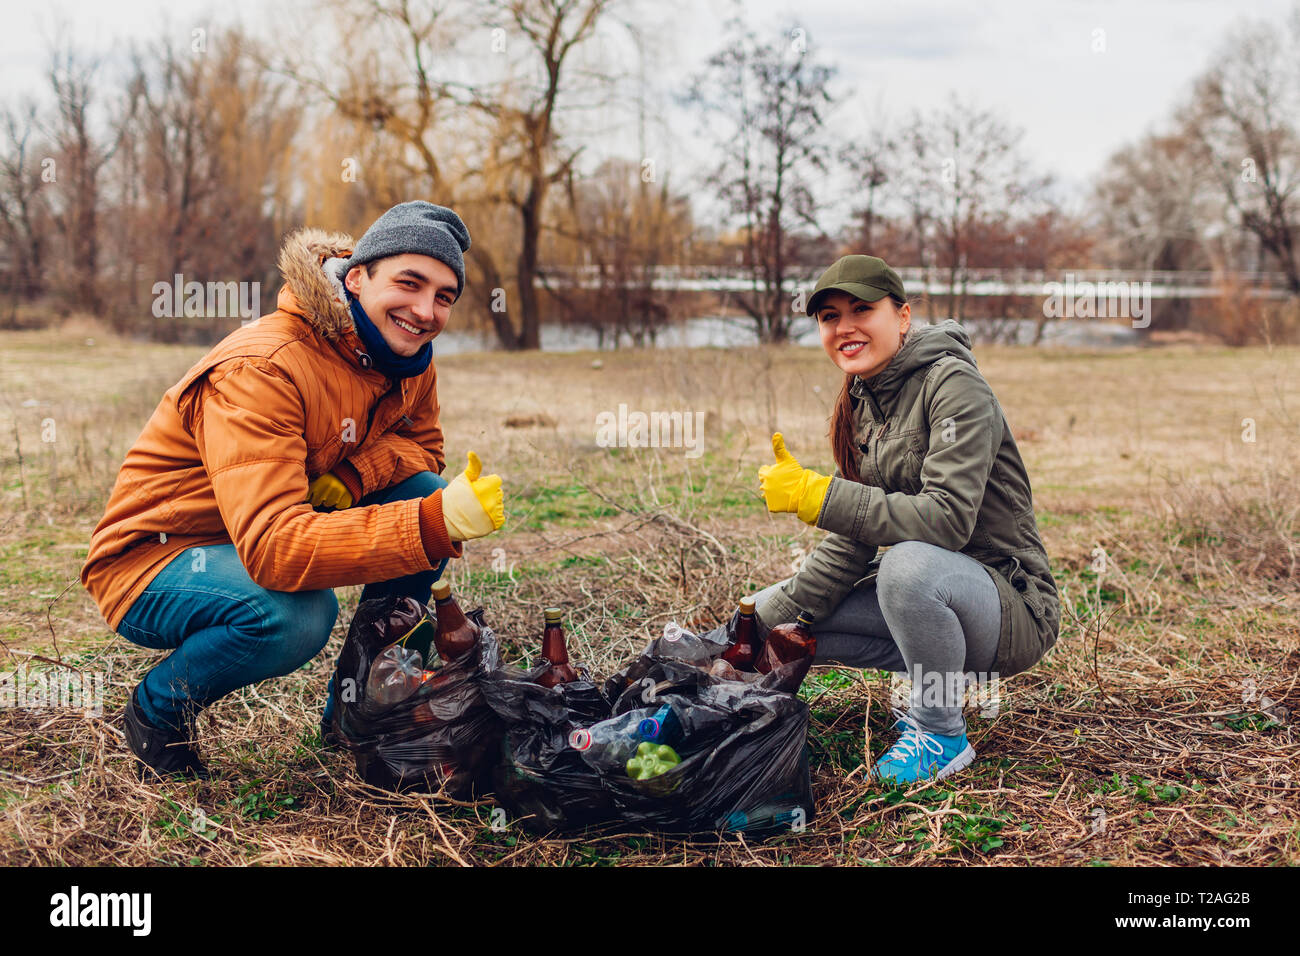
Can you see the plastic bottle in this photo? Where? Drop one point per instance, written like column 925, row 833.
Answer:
column 786, row 643
column 769, row 816
column 395, row 675
column 662, row 727
column 743, row 651
column 556, row 652
column 683, row 645
column 607, row 746
column 457, row 635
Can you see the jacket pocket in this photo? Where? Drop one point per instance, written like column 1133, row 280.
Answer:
column 1024, row 584
column 915, row 456
column 908, row 457
column 1019, row 644
column 322, row 459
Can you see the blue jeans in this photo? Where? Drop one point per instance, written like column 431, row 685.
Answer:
column 226, row 632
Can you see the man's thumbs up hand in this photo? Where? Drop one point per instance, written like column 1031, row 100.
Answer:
column 473, row 504
column 789, row 487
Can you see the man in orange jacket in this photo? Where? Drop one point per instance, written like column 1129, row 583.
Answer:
column 302, row 453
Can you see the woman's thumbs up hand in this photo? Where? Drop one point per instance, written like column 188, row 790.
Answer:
column 787, row 486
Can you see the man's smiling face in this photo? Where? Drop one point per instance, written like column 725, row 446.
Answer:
column 408, row 298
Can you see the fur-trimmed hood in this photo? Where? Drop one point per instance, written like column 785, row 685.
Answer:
column 309, row 262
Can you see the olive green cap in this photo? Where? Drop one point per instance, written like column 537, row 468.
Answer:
column 867, row 277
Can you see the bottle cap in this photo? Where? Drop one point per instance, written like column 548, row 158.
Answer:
column 580, row 739
column 441, row 590
column 553, row 615
column 805, row 619
column 747, row 605
column 648, row 728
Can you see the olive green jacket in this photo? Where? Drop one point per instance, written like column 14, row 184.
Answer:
column 939, row 465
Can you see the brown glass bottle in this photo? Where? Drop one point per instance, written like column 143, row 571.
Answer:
column 786, row 643
column 744, row 649
column 456, row 635
column 559, row 671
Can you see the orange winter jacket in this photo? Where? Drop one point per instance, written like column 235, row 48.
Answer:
column 230, row 450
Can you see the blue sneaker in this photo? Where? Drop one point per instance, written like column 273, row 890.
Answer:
column 918, row 755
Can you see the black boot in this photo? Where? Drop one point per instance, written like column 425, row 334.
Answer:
column 160, row 751
column 329, row 740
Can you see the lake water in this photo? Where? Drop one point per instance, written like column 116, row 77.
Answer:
column 715, row 332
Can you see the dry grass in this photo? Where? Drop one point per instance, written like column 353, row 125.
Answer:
column 1158, row 732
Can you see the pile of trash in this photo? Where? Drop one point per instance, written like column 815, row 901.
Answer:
column 696, row 733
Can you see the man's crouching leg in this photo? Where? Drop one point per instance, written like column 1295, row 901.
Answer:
column 225, row 632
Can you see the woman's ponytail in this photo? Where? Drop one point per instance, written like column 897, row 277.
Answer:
column 842, row 444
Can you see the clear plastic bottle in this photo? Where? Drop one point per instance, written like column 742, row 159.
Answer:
column 683, row 645
column 395, row 675
column 606, row 746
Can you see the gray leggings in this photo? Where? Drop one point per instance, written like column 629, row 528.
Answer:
column 930, row 612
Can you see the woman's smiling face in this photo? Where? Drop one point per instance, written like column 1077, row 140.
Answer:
column 861, row 337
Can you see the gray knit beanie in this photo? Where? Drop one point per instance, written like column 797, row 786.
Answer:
column 419, row 227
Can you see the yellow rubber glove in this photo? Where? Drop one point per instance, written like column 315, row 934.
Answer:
column 473, row 506
column 788, row 486
column 328, row 491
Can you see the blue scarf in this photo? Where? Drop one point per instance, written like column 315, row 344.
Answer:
column 381, row 356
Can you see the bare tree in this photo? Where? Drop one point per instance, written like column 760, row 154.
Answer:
column 525, row 117
column 24, row 210
column 80, row 158
column 765, row 102
column 198, row 185
column 622, row 230
column 962, row 173
column 510, row 148
column 1242, row 122
column 869, row 161
column 1153, row 206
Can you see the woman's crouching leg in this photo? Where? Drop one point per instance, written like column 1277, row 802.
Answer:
column 943, row 611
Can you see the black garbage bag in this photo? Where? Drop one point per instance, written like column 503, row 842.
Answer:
column 744, row 763
column 539, row 778
column 744, row 760
column 443, row 733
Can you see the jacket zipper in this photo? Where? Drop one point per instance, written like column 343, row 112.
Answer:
column 875, row 455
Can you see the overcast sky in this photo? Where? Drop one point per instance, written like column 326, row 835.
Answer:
column 1031, row 61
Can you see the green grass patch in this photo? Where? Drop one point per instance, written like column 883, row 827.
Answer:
column 182, row 823
column 254, row 803
column 1244, row 722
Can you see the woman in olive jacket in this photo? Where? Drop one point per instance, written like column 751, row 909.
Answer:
column 925, row 464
